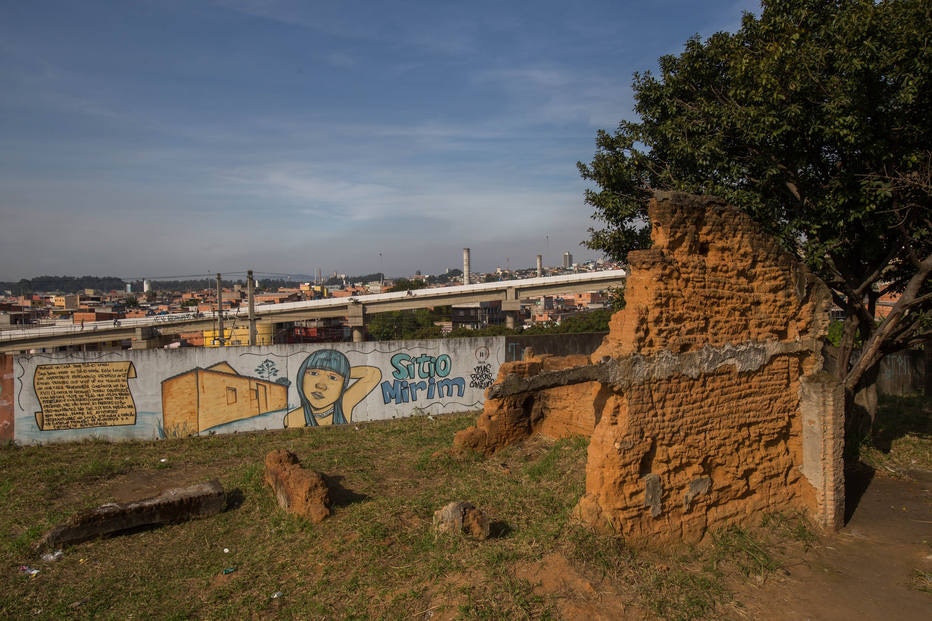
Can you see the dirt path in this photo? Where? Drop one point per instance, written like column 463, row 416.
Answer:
column 876, row 567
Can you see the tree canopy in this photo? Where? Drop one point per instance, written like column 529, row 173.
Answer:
column 405, row 284
column 64, row 284
column 814, row 119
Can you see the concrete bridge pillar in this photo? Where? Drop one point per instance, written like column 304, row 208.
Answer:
column 146, row 338
column 356, row 320
column 511, row 306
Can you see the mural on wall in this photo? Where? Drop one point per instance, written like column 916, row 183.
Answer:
column 84, row 394
column 199, row 399
column 6, row 398
column 70, row 396
column 329, row 389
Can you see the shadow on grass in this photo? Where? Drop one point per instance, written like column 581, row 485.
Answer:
column 235, row 499
column 339, row 495
column 499, row 530
column 899, row 416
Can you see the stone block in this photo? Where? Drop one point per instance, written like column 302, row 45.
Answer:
column 171, row 506
column 297, row 490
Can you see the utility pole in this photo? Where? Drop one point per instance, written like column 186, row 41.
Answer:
column 251, row 297
column 219, row 310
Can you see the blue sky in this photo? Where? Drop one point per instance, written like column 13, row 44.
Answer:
column 158, row 138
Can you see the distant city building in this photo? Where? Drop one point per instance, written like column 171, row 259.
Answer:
column 477, row 315
column 86, row 311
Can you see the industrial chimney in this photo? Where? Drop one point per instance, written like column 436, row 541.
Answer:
column 540, row 265
column 465, row 266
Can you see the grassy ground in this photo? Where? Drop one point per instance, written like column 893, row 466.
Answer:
column 376, row 557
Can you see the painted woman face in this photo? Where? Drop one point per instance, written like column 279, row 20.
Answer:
column 322, row 387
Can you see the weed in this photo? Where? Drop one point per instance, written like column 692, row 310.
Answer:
column 605, row 553
column 545, row 466
column 921, row 580
column 100, row 469
column 677, row 594
column 5, row 488
column 737, row 545
column 795, row 526
column 514, row 599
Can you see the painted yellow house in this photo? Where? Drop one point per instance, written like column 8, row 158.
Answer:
column 238, row 334
column 203, row 398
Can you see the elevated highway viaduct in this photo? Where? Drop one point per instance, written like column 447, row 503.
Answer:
column 145, row 330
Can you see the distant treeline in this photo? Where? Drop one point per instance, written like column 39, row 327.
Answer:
column 78, row 284
column 337, row 281
column 196, row 284
column 63, row 284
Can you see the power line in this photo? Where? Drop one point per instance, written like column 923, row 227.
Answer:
column 184, row 277
column 209, row 276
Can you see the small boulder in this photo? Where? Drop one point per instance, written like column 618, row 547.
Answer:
column 297, row 490
column 462, row 517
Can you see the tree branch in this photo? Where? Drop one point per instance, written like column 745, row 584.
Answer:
column 872, row 348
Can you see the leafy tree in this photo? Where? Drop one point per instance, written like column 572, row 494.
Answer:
column 450, row 276
column 64, row 284
column 337, row 281
column 588, row 321
column 835, row 331
column 814, row 119
column 405, row 324
column 615, row 296
column 493, row 330
column 404, row 284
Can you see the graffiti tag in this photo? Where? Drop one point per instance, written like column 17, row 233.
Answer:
column 481, row 376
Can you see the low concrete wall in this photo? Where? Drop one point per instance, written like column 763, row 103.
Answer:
column 553, row 344
column 148, row 394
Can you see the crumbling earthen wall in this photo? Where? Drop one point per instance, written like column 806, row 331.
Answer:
column 706, row 404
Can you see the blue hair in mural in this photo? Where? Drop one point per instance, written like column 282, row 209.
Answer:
column 324, row 360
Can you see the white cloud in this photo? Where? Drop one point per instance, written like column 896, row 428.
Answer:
column 554, row 95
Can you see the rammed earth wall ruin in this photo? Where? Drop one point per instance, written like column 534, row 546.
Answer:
column 707, row 403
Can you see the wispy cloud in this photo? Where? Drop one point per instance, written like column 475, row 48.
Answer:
column 283, row 136
column 562, row 95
